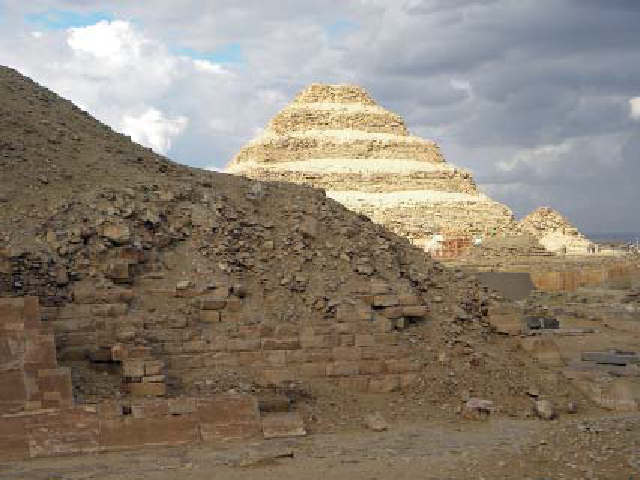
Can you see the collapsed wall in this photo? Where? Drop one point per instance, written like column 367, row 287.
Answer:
column 337, row 138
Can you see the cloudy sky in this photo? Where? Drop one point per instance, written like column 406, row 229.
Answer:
column 539, row 98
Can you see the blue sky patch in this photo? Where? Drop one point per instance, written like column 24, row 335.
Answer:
column 63, row 19
column 231, row 53
column 341, row 27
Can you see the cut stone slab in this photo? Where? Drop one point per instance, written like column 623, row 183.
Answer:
column 283, row 425
column 611, row 358
column 541, row 323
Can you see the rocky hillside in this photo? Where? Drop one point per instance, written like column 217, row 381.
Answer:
column 217, row 278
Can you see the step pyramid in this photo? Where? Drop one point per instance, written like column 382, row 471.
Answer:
column 337, row 138
column 555, row 232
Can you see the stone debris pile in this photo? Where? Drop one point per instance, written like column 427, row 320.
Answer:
column 176, row 298
column 337, row 138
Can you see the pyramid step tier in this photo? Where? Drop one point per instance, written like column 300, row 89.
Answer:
column 320, row 93
column 372, row 181
column 420, row 215
column 311, row 119
column 271, row 149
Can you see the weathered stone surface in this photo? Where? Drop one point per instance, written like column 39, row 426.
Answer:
column 282, row 425
column 477, row 409
column 376, row 422
column 544, row 409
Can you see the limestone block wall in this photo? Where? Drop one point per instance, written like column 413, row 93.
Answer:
column 38, row 417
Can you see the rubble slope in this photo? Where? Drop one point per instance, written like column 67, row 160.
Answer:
column 129, row 251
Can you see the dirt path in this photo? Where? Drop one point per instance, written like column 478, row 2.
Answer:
column 601, row 448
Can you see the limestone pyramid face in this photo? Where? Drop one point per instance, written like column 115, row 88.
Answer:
column 337, row 138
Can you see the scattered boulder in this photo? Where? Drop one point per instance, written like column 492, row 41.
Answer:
column 544, row 409
column 477, row 409
column 376, row 422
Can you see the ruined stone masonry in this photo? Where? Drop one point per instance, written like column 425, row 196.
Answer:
column 555, row 232
column 337, row 138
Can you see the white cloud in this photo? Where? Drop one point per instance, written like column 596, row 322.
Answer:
column 210, row 67
column 116, row 43
column 634, row 105
column 36, row 34
column 153, row 129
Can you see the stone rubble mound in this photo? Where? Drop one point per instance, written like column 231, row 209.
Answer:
column 163, row 282
column 337, row 138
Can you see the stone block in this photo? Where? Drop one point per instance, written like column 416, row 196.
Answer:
column 319, row 355
column 371, row 367
column 182, row 405
column 393, row 312
column 283, row 425
column 385, row 301
column 311, row 370
column 291, row 343
column 384, row 384
column 14, row 443
column 408, row 379
column 610, row 358
column 243, row 345
column 186, row 362
column 56, row 380
column 343, row 368
column 364, row 340
column 409, row 300
column 211, row 302
column 385, row 339
column 379, row 288
column 346, row 340
column 542, row 323
column 546, row 351
column 276, row 358
column 401, row 366
column 228, row 417
column 267, row 377
column 274, row 403
column 355, row 383
column 507, row 324
column 293, row 356
column 347, row 353
column 127, row 432
column 12, row 350
column 318, row 341
column 234, row 305
column 147, row 389
column 151, row 408
column 153, row 367
column 210, row 316
column 249, row 359
column 418, row 311
column 133, row 368
column 232, row 317
column 53, row 433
